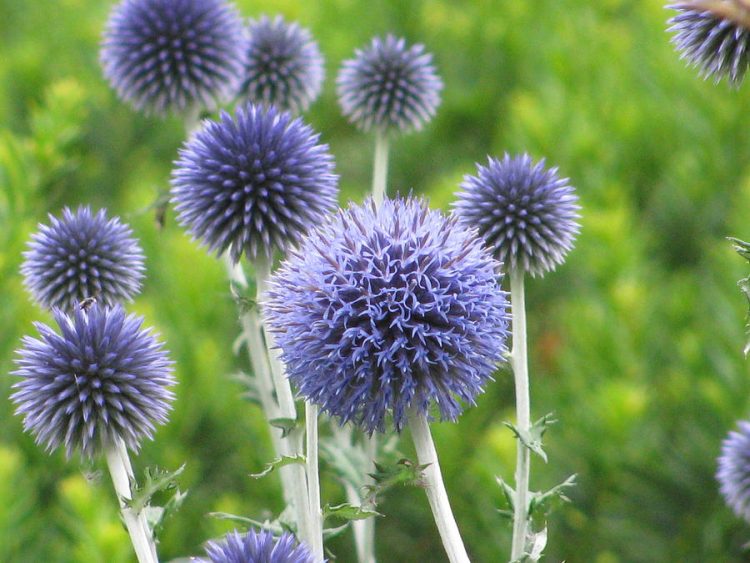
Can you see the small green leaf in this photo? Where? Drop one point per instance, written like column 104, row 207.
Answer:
column 532, row 439
column 542, row 503
column 741, row 247
column 287, row 425
column 348, row 511
column 403, row 472
column 278, row 463
column 509, row 493
column 155, row 481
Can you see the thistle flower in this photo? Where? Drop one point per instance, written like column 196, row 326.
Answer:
column 714, row 36
column 258, row 547
column 253, row 183
column 101, row 378
column 82, row 255
column 284, row 66
column 174, row 56
column 524, row 210
column 389, row 86
column 734, row 470
column 385, row 308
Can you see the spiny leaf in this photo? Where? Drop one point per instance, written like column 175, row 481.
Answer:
column 348, row 511
column 532, row 439
column 510, row 496
column 542, row 503
column 287, row 425
column 278, row 463
column 155, row 480
column 403, row 472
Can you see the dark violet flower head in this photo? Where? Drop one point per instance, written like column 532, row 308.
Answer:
column 253, row 183
column 734, row 470
column 82, row 255
column 389, row 86
column 527, row 212
column 101, row 378
column 174, row 56
column 258, row 547
column 386, row 308
column 283, row 67
column 713, row 36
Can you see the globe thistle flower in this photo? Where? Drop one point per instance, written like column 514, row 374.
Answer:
column 82, row 255
column 714, row 36
column 283, row 67
column 253, row 183
column 174, row 56
column 99, row 379
column 384, row 308
column 389, row 86
column 734, row 470
column 258, row 547
column 527, row 212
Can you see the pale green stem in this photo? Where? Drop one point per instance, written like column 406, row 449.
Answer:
column 121, row 472
column 364, row 530
column 313, row 480
column 523, row 415
column 380, row 168
column 435, row 489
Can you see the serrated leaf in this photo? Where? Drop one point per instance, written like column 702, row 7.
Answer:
column 348, row 511
column 155, row 480
column 741, row 247
column 278, row 463
column 541, row 504
column 287, row 425
column 532, row 439
column 509, row 493
column 403, row 472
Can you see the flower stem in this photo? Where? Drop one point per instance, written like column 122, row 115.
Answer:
column 380, row 168
column 523, row 415
column 436, row 494
column 121, row 472
column 313, row 480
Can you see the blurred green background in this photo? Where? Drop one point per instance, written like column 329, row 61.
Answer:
column 635, row 342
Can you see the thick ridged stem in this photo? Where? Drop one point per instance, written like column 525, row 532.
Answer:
column 380, row 168
column 121, row 472
column 523, row 413
column 436, row 494
column 313, row 480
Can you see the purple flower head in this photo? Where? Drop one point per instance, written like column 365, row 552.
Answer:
column 166, row 56
column 258, row 547
column 101, row 378
column 253, row 183
column 524, row 210
column 384, row 308
column 714, row 37
column 283, row 67
column 82, row 255
column 734, row 470
column 389, row 86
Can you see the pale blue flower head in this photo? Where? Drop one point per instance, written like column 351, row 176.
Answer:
column 258, row 547
column 734, row 470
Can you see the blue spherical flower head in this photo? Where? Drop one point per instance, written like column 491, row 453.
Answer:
column 527, row 212
column 258, row 547
column 389, row 86
column 386, row 308
column 174, row 56
column 734, row 470
column 284, row 66
column 253, row 183
column 99, row 379
column 714, row 37
column 81, row 255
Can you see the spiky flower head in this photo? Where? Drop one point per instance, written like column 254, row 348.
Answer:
column 100, row 378
column 253, row 183
column 389, row 86
column 386, row 308
column 713, row 36
column 527, row 212
column 283, row 67
column 258, row 547
column 173, row 56
column 734, row 470
column 81, row 255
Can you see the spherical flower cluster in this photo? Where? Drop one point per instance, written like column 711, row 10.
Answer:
column 284, row 66
column 82, row 255
column 524, row 210
column 734, row 470
column 388, row 308
column 714, row 37
column 100, row 379
column 173, row 55
column 258, row 547
column 389, row 86
column 253, row 183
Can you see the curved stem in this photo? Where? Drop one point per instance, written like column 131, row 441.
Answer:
column 436, row 494
column 380, row 168
column 523, row 415
column 121, row 472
